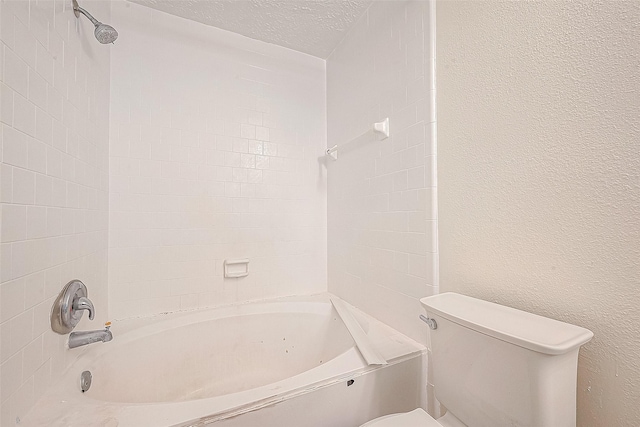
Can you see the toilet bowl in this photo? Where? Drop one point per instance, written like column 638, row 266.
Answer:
column 495, row 366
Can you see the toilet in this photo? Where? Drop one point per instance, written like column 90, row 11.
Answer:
column 495, row 366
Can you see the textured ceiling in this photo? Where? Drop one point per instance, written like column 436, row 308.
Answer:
column 310, row 26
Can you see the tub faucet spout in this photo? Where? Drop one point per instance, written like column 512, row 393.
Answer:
column 78, row 339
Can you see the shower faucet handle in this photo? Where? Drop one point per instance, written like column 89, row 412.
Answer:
column 68, row 307
column 84, row 303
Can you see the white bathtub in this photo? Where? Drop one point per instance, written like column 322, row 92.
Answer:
column 222, row 365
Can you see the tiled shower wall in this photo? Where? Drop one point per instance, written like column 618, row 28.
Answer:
column 53, row 186
column 214, row 149
column 382, row 214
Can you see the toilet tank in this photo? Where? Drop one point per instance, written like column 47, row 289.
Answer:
column 496, row 366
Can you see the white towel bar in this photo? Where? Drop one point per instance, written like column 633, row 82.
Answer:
column 381, row 128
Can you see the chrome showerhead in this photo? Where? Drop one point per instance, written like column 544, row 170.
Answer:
column 104, row 33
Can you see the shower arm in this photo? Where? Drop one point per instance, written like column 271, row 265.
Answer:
column 77, row 10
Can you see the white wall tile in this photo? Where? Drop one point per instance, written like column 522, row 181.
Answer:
column 37, row 156
column 44, row 126
column 14, row 223
column 381, row 207
column 15, row 147
column 34, row 289
column 36, row 222
column 6, row 104
column 35, row 174
column 187, row 169
column 6, row 272
column 24, row 43
column 24, row 115
column 6, row 28
column 37, row 89
column 10, row 376
column 23, row 186
column 44, row 63
column 16, row 72
column 5, row 341
column 6, row 183
column 21, row 331
column 32, row 357
column 12, row 302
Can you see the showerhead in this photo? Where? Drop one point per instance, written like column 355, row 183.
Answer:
column 104, row 33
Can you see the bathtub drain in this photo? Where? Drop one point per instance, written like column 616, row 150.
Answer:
column 85, row 381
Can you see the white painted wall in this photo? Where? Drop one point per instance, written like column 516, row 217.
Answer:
column 213, row 155
column 539, row 130
column 54, row 97
column 381, row 194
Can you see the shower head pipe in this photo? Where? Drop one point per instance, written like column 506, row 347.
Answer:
column 78, row 10
column 103, row 32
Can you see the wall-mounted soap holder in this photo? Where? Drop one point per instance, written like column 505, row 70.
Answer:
column 234, row 268
column 68, row 307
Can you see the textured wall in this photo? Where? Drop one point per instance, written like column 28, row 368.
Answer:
column 381, row 194
column 539, row 130
column 54, row 97
column 213, row 155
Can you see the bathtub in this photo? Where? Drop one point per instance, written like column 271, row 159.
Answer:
column 285, row 362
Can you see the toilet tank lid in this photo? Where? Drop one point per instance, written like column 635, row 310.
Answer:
column 517, row 327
